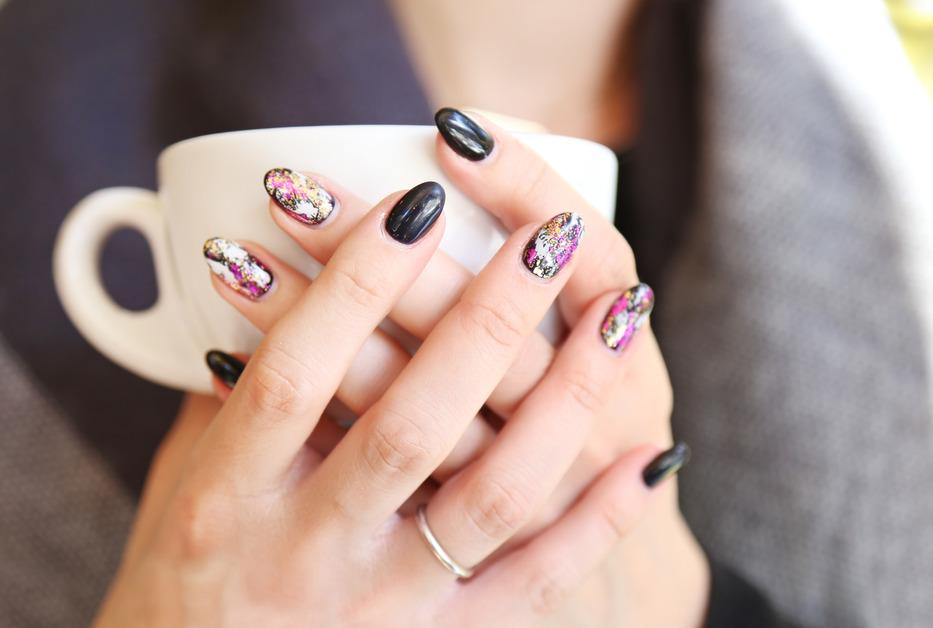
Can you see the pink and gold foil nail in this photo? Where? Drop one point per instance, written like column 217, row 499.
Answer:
column 301, row 197
column 237, row 268
column 626, row 315
column 552, row 247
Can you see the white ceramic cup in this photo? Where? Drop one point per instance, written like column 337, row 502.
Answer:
column 212, row 186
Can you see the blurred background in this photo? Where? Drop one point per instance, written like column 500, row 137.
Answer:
column 775, row 185
column 914, row 22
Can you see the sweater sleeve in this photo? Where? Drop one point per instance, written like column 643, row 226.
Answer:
column 736, row 603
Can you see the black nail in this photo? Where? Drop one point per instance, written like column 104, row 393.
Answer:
column 463, row 135
column 225, row 366
column 415, row 212
column 666, row 464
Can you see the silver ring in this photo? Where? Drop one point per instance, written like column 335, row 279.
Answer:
column 434, row 545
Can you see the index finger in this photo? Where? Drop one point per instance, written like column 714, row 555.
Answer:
column 301, row 361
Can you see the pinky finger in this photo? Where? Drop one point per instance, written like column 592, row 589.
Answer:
column 227, row 369
column 557, row 562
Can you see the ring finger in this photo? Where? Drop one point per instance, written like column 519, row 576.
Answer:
column 301, row 361
column 489, row 501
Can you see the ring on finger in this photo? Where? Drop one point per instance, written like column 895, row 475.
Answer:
column 421, row 518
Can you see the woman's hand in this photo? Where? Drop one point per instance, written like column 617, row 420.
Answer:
column 620, row 382
column 244, row 523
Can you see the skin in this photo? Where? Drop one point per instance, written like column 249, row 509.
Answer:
column 247, row 521
column 567, row 68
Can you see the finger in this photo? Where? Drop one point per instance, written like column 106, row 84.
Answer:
column 536, row 579
column 226, row 369
column 632, row 397
column 372, row 370
column 325, row 436
column 374, row 366
column 513, row 182
column 300, row 363
column 399, row 441
column 431, row 295
column 620, row 321
column 487, row 503
column 194, row 415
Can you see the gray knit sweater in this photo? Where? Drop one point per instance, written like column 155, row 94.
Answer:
column 796, row 315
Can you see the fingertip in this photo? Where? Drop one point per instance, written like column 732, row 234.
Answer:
column 300, row 195
column 414, row 216
column 226, row 369
column 464, row 135
column 666, row 464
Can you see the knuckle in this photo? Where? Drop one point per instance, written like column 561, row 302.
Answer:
column 201, row 524
column 360, row 286
column 278, row 383
column 584, row 390
column 546, row 591
column 496, row 508
column 399, row 445
column 501, row 322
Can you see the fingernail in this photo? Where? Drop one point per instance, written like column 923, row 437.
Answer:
column 237, row 267
column 415, row 212
column 551, row 248
column 627, row 314
column 225, row 366
column 463, row 135
column 666, row 464
column 301, row 197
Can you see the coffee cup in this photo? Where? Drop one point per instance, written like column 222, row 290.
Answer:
column 212, row 186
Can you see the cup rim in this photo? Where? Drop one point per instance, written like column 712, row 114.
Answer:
column 226, row 135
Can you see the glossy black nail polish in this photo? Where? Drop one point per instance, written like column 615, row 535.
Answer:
column 225, row 366
column 463, row 135
column 415, row 212
column 666, row 464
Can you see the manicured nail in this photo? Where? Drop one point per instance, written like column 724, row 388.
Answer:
column 415, row 212
column 666, row 464
column 237, row 267
column 463, row 135
column 627, row 314
column 551, row 248
column 301, row 197
column 225, row 366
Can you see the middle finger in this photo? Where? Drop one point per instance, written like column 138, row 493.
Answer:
column 432, row 294
column 398, row 442
column 375, row 366
column 300, row 363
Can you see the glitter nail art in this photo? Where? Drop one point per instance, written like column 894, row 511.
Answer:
column 627, row 314
column 551, row 248
column 301, row 197
column 237, row 267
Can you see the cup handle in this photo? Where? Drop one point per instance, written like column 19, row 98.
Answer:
column 156, row 343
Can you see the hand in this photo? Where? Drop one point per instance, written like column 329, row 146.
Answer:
column 627, row 396
column 243, row 523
